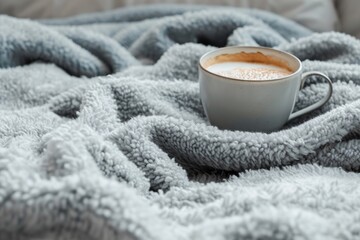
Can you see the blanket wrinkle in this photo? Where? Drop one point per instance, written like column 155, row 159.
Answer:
column 23, row 42
column 107, row 50
column 103, row 134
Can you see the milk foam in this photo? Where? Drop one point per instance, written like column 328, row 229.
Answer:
column 248, row 70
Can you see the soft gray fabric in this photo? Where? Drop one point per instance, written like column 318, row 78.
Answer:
column 130, row 155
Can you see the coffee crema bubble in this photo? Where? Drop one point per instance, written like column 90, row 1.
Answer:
column 248, row 66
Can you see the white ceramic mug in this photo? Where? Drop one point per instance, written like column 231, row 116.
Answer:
column 254, row 105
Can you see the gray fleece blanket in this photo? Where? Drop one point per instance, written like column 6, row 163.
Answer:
column 103, row 135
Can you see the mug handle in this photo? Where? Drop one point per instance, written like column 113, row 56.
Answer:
column 318, row 104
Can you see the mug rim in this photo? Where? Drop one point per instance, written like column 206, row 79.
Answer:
column 247, row 80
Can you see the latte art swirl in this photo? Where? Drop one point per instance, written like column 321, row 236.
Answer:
column 248, row 66
column 254, row 73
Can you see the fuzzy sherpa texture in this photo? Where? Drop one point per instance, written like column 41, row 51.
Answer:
column 103, row 135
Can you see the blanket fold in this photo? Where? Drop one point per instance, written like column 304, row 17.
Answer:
column 103, row 134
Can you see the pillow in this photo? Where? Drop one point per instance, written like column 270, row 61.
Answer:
column 349, row 16
column 52, row 8
column 318, row 15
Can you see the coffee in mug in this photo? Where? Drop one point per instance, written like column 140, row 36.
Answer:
column 253, row 88
column 248, row 66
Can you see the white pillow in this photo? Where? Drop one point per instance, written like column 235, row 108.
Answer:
column 349, row 16
column 52, row 8
column 318, row 15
